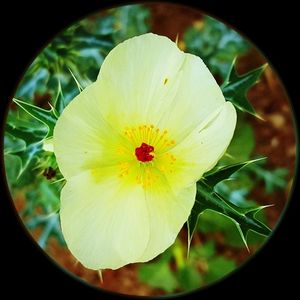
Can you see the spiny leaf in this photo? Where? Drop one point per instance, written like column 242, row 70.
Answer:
column 29, row 135
column 47, row 117
column 13, row 144
column 13, row 166
column 59, row 103
column 193, row 221
column 222, row 173
column 32, row 138
column 235, row 87
column 273, row 179
column 244, row 218
column 243, row 135
column 207, row 198
column 27, row 156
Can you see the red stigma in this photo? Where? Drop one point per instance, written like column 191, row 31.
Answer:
column 142, row 153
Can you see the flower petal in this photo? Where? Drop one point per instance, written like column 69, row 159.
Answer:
column 138, row 79
column 168, row 210
column 198, row 96
column 109, row 224
column 149, row 80
column 201, row 150
column 82, row 138
column 105, row 224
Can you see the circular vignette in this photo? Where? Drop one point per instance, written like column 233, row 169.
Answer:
column 277, row 223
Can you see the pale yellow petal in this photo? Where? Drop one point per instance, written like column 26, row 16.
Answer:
column 138, row 79
column 148, row 80
column 109, row 224
column 168, row 210
column 202, row 149
column 105, row 224
column 198, row 95
column 83, row 139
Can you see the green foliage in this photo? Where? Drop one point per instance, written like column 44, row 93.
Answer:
column 221, row 173
column 235, row 87
column 210, row 221
column 158, row 275
column 13, row 144
column 273, row 180
column 205, row 265
column 218, row 268
column 216, row 44
column 12, row 172
column 81, row 48
column 28, row 137
column 72, row 59
column 189, row 278
column 243, row 218
column 131, row 20
column 242, row 144
column 47, row 117
column 44, row 198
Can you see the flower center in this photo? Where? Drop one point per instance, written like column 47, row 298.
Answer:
column 144, row 153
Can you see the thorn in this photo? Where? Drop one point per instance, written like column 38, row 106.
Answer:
column 58, row 180
column 257, row 209
column 264, row 66
column 265, row 206
column 100, row 276
column 176, row 40
column 80, row 88
column 76, row 262
column 188, row 248
column 229, row 155
column 243, row 237
column 259, row 117
column 255, row 160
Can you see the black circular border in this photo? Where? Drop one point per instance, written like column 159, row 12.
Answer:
column 27, row 27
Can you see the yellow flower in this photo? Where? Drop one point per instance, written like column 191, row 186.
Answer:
column 131, row 147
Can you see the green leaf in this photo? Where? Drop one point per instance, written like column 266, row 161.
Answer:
column 31, row 138
column 207, row 198
column 211, row 221
column 50, row 225
column 130, row 20
column 215, row 43
column 13, row 144
column 244, row 218
column 158, row 275
column 47, row 117
column 203, row 251
column 13, row 167
column 223, row 173
column 242, row 144
column 273, row 179
column 192, row 222
column 59, row 103
column 29, row 135
column 218, row 267
column 189, row 278
column 235, row 87
column 29, row 154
